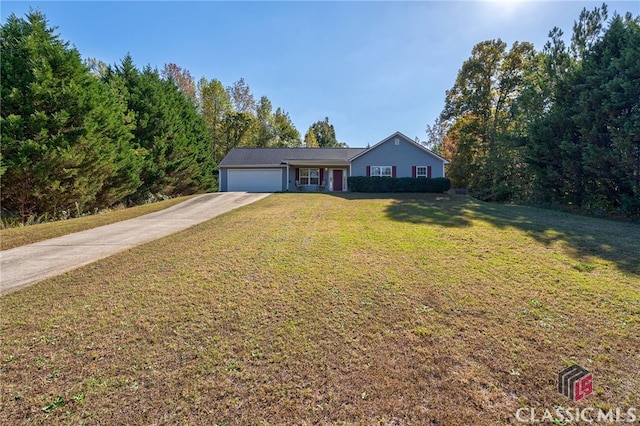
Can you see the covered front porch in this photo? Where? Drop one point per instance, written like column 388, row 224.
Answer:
column 311, row 176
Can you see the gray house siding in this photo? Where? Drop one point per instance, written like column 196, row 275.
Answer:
column 404, row 156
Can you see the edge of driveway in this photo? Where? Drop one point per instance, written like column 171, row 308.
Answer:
column 26, row 265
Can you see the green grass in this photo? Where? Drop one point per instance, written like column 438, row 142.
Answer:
column 339, row 310
column 21, row 235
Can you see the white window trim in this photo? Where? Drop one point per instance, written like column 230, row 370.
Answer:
column 419, row 175
column 305, row 178
column 380, row 174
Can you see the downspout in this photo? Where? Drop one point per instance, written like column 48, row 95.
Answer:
column 287, row 176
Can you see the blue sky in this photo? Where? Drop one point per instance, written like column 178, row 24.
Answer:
column 373, row 68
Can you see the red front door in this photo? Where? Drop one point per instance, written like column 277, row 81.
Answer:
column 337, row 180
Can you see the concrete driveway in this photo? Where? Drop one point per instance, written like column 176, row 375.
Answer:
column 22, row 266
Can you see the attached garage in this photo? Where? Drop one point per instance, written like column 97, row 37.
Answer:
column 254, row 180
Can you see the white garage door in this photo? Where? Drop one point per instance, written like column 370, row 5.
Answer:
column 254, row 180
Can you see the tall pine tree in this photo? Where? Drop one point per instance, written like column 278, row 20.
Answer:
column 172, row 136
column 62, row 130
column 585, row 152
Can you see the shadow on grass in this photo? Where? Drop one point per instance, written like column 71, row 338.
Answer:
column 582, row 236
column 432, row 209
column 441, row 209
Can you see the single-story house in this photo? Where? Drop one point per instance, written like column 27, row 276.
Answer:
column 325, row 169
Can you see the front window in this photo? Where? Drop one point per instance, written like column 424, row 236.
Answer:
column 309, row 176
column 381, row 171
column 421, row 171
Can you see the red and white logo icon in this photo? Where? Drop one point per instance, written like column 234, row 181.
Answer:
column 575, row 382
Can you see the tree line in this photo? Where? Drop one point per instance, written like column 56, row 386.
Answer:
column 557, row 127
column 79, row 136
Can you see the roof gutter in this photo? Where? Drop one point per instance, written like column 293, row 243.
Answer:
column 316, row 163
column 252, row 166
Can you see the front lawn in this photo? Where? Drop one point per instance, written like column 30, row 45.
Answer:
column 321, row 309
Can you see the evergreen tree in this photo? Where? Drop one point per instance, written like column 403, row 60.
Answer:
column 324, row 134
column 173, row 136
column 64, row 134
column 129, row 156
column 585, row 152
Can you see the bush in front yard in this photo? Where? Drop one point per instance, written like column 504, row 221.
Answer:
column 405, row 184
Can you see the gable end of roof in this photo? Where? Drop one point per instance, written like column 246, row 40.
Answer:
column 407, row 139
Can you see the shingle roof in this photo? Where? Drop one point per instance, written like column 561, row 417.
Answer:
column 277, row 156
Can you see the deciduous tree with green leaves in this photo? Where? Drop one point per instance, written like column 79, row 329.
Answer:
column 479, row 112
column 214, row 104
column 285, row 132
column 264, row 132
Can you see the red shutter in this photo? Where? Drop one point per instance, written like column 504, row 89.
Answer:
column 428, row 171
column 297, row 174
column 393, row 171
column 413, row 171
column 321, row 176
column 368, row 170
